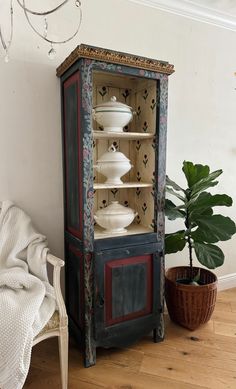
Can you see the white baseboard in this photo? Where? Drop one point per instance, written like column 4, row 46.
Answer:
column 227, row 282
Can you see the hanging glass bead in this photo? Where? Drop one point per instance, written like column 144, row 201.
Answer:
column 45, row 33
column 52, row 53
column 6, row 58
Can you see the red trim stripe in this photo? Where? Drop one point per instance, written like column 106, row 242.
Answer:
column 146, row 259
column 79, row 254
column 74, row 79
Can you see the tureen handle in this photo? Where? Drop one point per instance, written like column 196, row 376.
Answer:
column 97, row 167
column 112, row 149
column 94, row 114
column 133, row 114
column 113, row 98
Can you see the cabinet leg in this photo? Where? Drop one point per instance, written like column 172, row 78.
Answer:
column 89, row 355
column 156, row 336
column 159, row 332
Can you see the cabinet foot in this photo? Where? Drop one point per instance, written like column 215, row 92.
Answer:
column 88, row 363
column 89, row 352
column 156, row 336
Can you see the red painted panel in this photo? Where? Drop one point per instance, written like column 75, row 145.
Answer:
column 75, row 79
column 79, row 254
column 146, row 259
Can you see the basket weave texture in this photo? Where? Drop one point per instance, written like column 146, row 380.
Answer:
column 190, row 305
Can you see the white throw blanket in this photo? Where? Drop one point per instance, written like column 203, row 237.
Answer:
column 26, row 298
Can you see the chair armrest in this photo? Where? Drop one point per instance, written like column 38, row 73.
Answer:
column 57, row 264
column 54, row 261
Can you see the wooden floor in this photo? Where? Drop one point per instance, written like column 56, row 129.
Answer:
column 205, row 358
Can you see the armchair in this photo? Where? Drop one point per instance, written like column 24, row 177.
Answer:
column 58, row 324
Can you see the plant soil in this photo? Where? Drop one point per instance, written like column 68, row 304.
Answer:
column 187, row 281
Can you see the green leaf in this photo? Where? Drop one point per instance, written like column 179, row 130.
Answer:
column 197, row 214
column 194, row 173
column 175, row 186
column 203, row 203
column 209, row 255
column 206, row 182
column 174, row 242
column 171, row 191
column 206, row 200
column 172, row 211
column 213, row 229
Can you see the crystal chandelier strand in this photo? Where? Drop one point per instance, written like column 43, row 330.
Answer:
column 5, row 45
column 45, row 37
column 43, row 13
column 45, row 33
column 2, row 40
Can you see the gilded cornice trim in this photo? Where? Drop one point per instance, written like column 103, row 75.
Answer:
column 99, row 54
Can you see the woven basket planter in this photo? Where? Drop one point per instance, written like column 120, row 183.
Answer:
column 190, row 305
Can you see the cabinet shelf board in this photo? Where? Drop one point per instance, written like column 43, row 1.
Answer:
column 122, row 135
column 133, row 229
column 98, row 186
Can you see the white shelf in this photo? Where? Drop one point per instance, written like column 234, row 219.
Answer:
column 122, row 135
column 98, row 186
column 133, row 229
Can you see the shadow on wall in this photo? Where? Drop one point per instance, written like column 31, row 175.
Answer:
column 30, row 147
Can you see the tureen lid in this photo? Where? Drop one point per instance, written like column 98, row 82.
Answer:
column 115, row 209
column 113, row 103
column 113, row 156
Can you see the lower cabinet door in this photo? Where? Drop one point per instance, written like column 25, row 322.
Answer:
column 127, row 294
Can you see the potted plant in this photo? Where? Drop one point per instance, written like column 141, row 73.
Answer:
column 190, row 290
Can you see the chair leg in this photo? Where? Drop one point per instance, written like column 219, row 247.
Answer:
column 63, row 352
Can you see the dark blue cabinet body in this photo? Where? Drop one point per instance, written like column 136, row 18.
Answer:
column 128, row 299
column 114, row 284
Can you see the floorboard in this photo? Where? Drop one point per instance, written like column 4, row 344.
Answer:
column 200, row 359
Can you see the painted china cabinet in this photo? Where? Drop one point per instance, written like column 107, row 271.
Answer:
column 114, row 282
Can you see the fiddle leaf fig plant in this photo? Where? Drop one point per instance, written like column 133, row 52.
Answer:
column 202, row 229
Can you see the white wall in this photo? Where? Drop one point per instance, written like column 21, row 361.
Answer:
column 202, row 103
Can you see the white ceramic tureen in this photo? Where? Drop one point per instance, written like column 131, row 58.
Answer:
column 113, row 165
column 112, row 115
column 115, row 218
